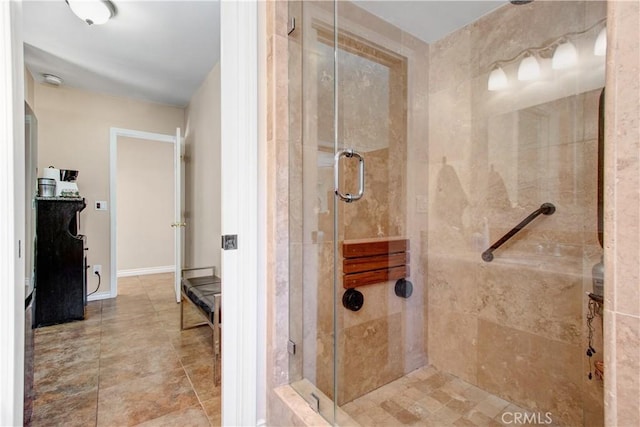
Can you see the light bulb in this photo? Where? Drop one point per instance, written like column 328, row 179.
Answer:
column 600, row 48
column 529, row 69
column 565, row 56
column 497, row 79
column 92, row 11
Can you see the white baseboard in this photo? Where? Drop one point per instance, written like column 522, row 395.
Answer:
column 149, row 270
column 99, row 296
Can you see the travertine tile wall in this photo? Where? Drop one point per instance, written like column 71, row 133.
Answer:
column 455, row 300
column 622, row 216
column 515, row 327
column 277, row 203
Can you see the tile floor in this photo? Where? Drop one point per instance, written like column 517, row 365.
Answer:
column 127, row 363
column 427, row 397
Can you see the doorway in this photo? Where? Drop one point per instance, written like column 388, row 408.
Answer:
column 145, row 207
column 139, row 243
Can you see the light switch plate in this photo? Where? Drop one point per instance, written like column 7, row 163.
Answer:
column 101, row 205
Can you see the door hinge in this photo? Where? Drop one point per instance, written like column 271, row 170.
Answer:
column 291, row 25
column 291, row 347
column 229, row 242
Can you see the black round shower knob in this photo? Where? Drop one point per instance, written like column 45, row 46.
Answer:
column 352, row 299
column 404, row 288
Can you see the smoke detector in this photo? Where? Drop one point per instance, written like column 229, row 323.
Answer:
column 52, row 80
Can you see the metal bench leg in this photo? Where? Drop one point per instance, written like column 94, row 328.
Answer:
column 182, row 327
column 181, row 312
column 217, row 339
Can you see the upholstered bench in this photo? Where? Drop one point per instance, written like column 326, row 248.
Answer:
column 204, row 292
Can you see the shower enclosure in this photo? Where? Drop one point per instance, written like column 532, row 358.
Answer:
column 415, row 148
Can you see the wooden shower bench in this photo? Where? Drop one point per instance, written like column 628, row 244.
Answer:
column 204, row 293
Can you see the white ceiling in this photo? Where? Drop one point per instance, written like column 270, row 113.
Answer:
column 161, row 51
column 430, row 20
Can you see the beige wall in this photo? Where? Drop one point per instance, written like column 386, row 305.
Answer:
column 202, row 174
column 622, row 217
column 74, row 134
column 145, row 204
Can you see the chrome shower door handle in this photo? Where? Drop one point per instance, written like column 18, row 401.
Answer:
column 348, row 153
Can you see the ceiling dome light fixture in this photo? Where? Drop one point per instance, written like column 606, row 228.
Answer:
column 529, row 68
column 93, row 12
column 565, row 56
column 600, row 48
column 497, row 79
column 52, row 79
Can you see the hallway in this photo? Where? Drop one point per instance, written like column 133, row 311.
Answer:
column 127, row 363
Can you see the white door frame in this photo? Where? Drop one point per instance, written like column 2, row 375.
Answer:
column 178, row 214
column 114, row 133
column 243, row 299
column 12, row 205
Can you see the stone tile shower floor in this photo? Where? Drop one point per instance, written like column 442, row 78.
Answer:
column 428, row 397
column 127, row 363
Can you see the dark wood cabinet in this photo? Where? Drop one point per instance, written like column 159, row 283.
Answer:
column 60, row 262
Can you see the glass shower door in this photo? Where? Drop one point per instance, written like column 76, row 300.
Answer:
column 311, row 204
column 356, row 289
column 381, row 236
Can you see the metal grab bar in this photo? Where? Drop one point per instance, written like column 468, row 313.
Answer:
column 545, row 209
